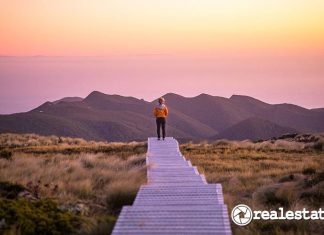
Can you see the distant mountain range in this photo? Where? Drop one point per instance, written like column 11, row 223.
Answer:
column 117, row 118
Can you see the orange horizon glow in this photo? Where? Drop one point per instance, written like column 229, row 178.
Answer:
column 177, row 27
column 272, row 50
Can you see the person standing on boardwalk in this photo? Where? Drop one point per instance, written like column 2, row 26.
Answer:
column 161, row 112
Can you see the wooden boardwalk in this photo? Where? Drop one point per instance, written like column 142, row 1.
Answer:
column 176, row 200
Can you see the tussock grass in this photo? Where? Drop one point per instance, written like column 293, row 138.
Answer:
column 23, row 140
column 36, row 144
column 86, row 176
column 90, row 179
column 93, row 180
column 265, row 175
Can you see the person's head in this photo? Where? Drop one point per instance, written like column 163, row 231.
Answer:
column 161, row 100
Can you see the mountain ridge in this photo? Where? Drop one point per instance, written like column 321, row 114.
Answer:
column 113, row 117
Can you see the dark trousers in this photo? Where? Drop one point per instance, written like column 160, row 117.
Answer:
column 160, row 122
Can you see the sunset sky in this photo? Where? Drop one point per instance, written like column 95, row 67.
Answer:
column 272, row 50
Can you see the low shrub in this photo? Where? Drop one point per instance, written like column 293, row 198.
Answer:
column 6, row 154
column 315, row 196
column 119, row 198
column 316, row 179
column 309, row 171
column 9, row 190
column 275, row 195
column 319, row 145
column 36, row 217
column 104, row 226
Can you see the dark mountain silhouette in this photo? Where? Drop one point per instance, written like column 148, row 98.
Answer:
column 216, row 112
column 253, row 106
column 320, row 110
column 117, row 118
column 288, row 115
column 254, row 129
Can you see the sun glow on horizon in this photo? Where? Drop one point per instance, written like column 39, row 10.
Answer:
column 188, row 27
column 272, row 50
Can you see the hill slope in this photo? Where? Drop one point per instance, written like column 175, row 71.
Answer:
column 254, row 129
column 117, row 118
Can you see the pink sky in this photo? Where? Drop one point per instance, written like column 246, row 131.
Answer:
column 26, row 82
column 271, row 50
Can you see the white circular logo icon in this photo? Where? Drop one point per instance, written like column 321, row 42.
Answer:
column 242, row 215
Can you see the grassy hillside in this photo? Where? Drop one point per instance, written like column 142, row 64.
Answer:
column 84, row 184
column 266, row 175
column 57, row 185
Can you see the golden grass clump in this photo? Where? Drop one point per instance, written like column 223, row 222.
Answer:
column 264, row 175
column 69, row 178
column 93, row 179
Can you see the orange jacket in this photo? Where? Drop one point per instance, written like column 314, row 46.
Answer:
column 161, row 111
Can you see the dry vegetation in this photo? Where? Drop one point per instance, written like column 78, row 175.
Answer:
column 266, row 175
column 90, row 179
column 86, row 183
